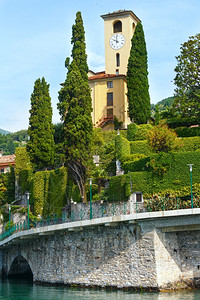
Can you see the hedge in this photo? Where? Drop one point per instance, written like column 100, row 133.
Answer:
column 138, row 132
column 176, row 175
column 48, row 192
column 182, row 122
column 189, row 144
column 140, row 147
column 187, row 131
column 117, row 189
column 122, row 146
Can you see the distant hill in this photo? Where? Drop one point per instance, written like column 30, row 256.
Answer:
column 163, row 105
column 2, row 131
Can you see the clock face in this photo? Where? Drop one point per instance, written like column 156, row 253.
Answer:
column 117, row 41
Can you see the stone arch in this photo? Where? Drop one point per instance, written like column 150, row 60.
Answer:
column 20, row 268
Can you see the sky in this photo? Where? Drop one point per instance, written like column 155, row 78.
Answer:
column 36, row 39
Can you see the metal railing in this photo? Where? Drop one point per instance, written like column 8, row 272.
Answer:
column 105, row 210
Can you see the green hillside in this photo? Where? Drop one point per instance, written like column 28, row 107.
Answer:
column 4, row 131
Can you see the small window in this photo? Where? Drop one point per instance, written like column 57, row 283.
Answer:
column 118, row 59
column 2, row 171
column 117, row 27
column 109, row 84
column 109, row 99
column 139, row 197
column 110, row 113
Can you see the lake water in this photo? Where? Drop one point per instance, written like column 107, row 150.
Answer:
column 24, row 290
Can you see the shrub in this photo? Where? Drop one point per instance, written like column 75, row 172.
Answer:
column 122, row 146
column 138, row 132
column 136, row 166
column 140, row 147
column 161, row 138
column 180, row 122
column 189, row 144
column 131, row 131
column 117, row 188
column 187, row 131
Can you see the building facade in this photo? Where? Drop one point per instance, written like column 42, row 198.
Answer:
column 109, row 88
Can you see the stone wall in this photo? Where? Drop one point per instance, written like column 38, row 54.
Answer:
column 103, row 256
column 124, row 255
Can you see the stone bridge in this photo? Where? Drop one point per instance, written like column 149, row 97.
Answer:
column 151, row 250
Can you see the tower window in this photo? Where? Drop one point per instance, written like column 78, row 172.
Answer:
column 117, row 27
column 118, row 59
column 109, row 99
column 109, row 84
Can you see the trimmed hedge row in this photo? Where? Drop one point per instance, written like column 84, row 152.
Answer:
column 176, row 175
column 187, row 131
column 138, row 132
column 122, row 146
column 182, row 122
column 48, row 192
column 140, row 147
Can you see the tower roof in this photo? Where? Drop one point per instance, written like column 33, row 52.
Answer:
column 120, row 13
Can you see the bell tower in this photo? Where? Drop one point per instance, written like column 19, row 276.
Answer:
column 119, row 30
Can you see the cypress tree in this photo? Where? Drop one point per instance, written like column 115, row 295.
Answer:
column 40, row 146
column 137, row 79
column 75, row 107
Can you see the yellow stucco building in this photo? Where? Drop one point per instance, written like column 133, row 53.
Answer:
column 108, row 88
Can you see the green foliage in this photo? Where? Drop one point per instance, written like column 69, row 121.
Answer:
column 131, row 131
column 171, row 200
column 137, row 79
column 180, row 121
column 189, row 144
column 117, row 189
column 164, row 107
column 117, row 123
column 57, row 188
column 131, row 157
column 122, row 146
column 161, row 138
column 2, row 189
column 187, row 131
column 10, row 185
column 176, row 175
column 58, row 133
column 157, row 115
column 23, row 169
column 136, row 166
column 48, row 193
column 40, row 147
column 75, row 107
column 187, row 79
column 140, row 147
column 7, row 225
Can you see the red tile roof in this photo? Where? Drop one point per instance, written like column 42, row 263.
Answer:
column 102, row 75
column 7, row 159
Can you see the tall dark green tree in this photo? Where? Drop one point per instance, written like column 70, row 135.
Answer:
column 187, row 80
column 40, row 146
column 137, row 79
column 75, row 107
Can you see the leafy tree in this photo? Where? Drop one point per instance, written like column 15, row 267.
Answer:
column 137, row 79
column 2, row 189
column 75, row 107
column 10, row 185
column 162, row 139
column 157, row 115
column 187, row 79
column 41, row 144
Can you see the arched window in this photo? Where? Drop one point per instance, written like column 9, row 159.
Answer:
column 118, row 59
column 117, row 27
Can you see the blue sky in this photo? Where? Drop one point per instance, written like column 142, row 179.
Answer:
column 36, row 39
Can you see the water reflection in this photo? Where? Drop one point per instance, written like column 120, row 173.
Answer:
column 21, row 290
